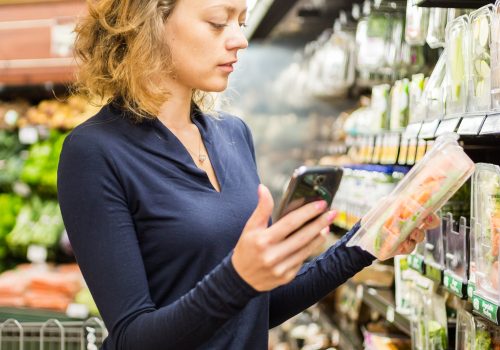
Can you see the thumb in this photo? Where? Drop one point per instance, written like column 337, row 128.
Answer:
column 263, row 211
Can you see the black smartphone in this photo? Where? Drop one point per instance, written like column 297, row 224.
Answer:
column 310, row 184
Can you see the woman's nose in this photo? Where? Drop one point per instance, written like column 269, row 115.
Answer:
column 237, row 39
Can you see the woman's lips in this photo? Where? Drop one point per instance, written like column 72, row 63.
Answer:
column 226, row 67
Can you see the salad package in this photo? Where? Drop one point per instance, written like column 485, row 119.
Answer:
column 435, row 90
column 495, row 58
column 457, row 65
column 466, row 331
column 486, row 218
column 417, row 19
column 399, row 104
column 437, row 27
column 480, row 69
column 485, row 337
column 436, row 325
column 457, row 257
column 428, row 185
column 417, row 107
column 420, row 290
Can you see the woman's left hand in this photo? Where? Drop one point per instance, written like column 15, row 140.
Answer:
column 417, row 235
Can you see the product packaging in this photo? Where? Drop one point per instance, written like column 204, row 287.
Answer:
column 435, row 90
column 417, row 19
column 421, row 192
column 457, row 65
column 434, row 253
column 495, row 59
column 437, row 27
column 480, row 69
column 457, row 256
column 399, row 105
column 486, row 218
column 466, row 331
column 417, row 110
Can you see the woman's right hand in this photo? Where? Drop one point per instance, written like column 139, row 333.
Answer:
column 268, row 257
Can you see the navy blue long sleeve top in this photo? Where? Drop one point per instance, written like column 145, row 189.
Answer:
column 154, row 239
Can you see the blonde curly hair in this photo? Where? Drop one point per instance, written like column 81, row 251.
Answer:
column 121, row 50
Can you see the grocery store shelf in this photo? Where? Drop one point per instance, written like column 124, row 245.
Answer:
column 344, row 334
column 31, row 315
column 467, row 4
column 382, row 301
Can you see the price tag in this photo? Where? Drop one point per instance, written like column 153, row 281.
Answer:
column 485, row 308
column 446, row 126
column 389, row 315
column 412, row 130
column 471, row 125
column 491, row 125
column 428, row 129
column 77, row 311
column 37, row 254
column 453, row 284
column 433, row 272
column 28, row 135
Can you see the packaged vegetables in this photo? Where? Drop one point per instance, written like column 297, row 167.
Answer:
column 457, row 65
column 495, row 58
column 437, row 27
column 466, row 331
column 423, row 191
column 416, row 23
column 480, row 72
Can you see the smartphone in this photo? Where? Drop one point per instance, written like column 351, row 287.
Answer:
column 310, row 184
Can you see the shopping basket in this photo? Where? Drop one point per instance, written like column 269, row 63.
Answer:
column 52, row 335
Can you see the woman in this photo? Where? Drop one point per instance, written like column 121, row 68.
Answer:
column 162, row 202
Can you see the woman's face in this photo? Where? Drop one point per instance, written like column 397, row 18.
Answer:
column 204, row 37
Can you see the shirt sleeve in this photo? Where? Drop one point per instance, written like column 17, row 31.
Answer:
column 317, row 278
column 102, row 233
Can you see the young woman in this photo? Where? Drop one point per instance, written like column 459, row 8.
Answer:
column 162, row 202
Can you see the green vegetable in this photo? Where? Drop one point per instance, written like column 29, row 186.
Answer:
column 483, row 340
column 438, row 339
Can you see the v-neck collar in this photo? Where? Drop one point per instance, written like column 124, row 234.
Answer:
column 205, row 126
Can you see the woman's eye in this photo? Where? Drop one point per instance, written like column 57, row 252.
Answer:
column 243, row 25
column 218, row 25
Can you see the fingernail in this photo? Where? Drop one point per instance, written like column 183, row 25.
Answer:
column 321, row 205
column 325, row 231
column 331, row 215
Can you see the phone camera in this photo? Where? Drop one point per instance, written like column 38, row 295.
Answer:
column 319, row 180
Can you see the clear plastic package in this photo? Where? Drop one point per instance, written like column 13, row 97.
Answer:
column 434, row 253
column 403, row 282
column 486, row 218
column 455, row 275
column 417, row 105
column 427, row 186
column 466, row 331
column 495, row 59
column 417, row 19
column 380, row 107
column 394, row 43
column 420, row 290
column 399, row 104
column 485, row 336
column 437, row 27
column 435, row 92
column 480, row 69
column 457, row 65
column 436, row 323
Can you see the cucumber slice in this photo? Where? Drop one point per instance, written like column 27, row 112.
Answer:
column 484, row 31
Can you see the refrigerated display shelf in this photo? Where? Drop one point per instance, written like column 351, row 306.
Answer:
column 32, row 315
column 466, row 4
column 382, row 301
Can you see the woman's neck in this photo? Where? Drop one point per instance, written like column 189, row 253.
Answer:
column 176, row 112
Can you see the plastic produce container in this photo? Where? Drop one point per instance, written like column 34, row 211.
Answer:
column 400, row 104
column 417, row 105
column 495, row 59
column 380, row 107
column 437, row 27
column 486, row 218
column 466, row 331
column 434, row 92
column 434, row 253
column 457, row 256
column 457, row 65
column 480, row 69
column 417, row 19
column 429, row 184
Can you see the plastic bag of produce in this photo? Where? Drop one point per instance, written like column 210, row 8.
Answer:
column 430, row 183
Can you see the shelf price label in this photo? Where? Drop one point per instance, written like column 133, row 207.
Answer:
column 453, row 284
column 471, row 125
column 485, row 308
column 471, row 288
column 412, row 130
column 429, row 129
column 433, row 272
column 416, row 262
column 491, row 125
column 447, row 126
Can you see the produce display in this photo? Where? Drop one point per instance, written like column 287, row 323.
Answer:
column 424, row 190
column 417, row 108
column 434, row 252
column 486, row 337
column 457, row 65
column 486, row 216
column 479, row 94
column 457, row 255
column 10, row 161
column 39, row 223
column 40, row 168
column 466, row 332
column 399, row 104
column 435, row 92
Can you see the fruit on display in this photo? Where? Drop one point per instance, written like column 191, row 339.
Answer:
column 59, row 114
column 423, row 191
